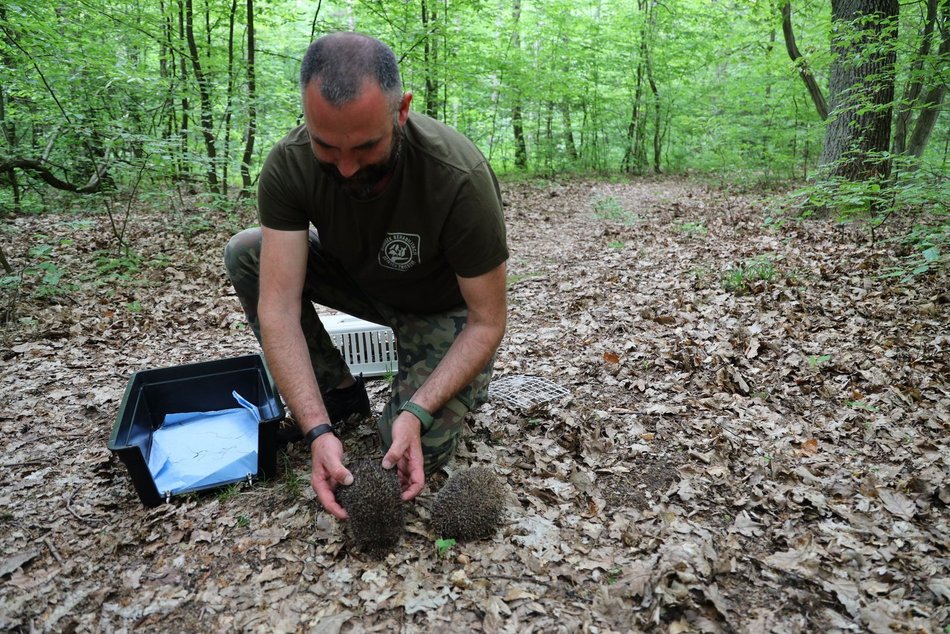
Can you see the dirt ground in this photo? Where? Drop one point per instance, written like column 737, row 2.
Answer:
column 755, row 440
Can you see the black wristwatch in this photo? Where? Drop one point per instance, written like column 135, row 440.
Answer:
column 316, row 432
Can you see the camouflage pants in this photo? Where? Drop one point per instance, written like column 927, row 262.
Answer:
column 422, row 340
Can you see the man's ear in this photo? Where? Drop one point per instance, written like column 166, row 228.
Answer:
column 404, row 108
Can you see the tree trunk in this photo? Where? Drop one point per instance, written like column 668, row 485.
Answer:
column 648, row 56
column 229, row 101
column 9, row 130
column 915, row 85
column 932, row 102
column 184, row 169
column 517, row 123
column 804, row 71
column 204, row 95
column 251, row 104
column 634, row 156
column 862, row 89
column 568, row 132
column 9, row 134
column 926, row 121
column 517, row 128
column 430, row 58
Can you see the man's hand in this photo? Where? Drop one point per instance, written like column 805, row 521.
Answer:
column 328, row 472
column 406, row 455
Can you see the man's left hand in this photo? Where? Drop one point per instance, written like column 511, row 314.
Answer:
column 406, row 455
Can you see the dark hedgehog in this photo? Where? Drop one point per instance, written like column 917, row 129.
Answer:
column 374, row 505
column 470, row 505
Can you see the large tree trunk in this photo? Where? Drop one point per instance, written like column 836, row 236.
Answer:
column 862, row 89
column 251, row 103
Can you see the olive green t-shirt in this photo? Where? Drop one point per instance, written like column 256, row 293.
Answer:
column 440, row 215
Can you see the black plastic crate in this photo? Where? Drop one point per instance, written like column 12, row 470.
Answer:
column 196, row 387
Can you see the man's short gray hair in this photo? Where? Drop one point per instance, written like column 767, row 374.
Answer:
column 341, row 62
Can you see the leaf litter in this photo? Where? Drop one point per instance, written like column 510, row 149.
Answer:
column 737, row 452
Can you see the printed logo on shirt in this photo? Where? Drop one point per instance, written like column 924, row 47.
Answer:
column 400, row 251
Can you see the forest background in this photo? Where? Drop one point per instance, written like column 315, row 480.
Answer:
column 120, row 100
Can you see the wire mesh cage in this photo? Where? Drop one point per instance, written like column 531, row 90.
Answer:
column 525, row 392
column 368, row 349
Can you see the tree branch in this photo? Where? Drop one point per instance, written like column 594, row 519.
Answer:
column 803, row 70
column 39, row 168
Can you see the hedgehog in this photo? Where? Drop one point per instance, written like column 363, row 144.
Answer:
column 469, row 505
column 374, row 504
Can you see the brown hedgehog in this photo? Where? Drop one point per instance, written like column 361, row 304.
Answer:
column 470, row 505
column 374, row 505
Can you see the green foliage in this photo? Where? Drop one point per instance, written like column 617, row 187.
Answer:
column 685, row 86
column 913, row 189
column 229, row 492
column 930, row 249
column 726, row 98
column 610, row 209
column 817, row 360
column 291, row 481
column 41, row 276
column 692, row 228
column 111, row 268
column 740, row 279
column 443, row 546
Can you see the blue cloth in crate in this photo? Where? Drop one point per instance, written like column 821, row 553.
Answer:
column 192, row 450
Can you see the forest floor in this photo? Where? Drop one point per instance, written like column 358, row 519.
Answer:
column 756, row 437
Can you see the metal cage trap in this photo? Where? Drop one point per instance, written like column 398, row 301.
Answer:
column 525, row 392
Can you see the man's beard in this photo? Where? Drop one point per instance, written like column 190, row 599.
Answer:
column 365, row 182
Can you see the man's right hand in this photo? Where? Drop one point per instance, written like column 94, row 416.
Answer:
column 328, row 472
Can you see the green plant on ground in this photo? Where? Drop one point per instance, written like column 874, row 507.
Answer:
column 740, row 279
column 443, row 546
column 692, row 228
column 229, row 492
column 817, row 360
column 930, row 250
column 291, row 481
column 608, row 208
column 41, row 272
column 862, row 405
column 390, row 374
column 913, row 189
column 112, row 269
column 519, row 277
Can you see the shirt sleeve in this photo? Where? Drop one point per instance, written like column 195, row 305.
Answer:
column 279, row 201
column 473, row 237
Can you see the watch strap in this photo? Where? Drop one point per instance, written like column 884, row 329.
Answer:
column 419, row 412
column 316, row 432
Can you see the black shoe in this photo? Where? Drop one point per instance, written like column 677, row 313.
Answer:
column 341, row 403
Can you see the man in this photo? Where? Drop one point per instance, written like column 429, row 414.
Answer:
column 407, row 230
